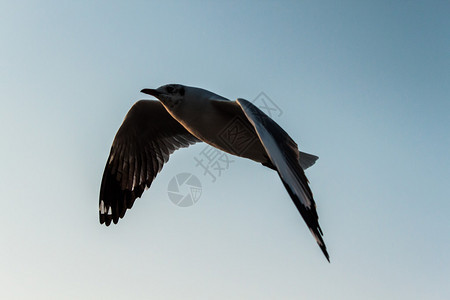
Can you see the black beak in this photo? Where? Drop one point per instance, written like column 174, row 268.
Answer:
column 151, row 92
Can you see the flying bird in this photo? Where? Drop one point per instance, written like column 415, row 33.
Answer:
column 152, row 130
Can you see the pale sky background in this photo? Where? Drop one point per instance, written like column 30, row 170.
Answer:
column 363, row 85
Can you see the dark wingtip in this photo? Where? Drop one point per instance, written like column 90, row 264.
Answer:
column 322, row 245
column 317, row 233
column 321, row 242
column 324, row 250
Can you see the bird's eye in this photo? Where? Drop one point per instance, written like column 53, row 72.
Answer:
column 169, row 89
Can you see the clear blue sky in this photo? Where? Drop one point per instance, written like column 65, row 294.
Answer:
column 363, row 85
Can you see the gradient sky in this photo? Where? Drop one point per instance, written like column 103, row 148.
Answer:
column 363, row 85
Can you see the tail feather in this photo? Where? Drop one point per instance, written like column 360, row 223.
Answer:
column 307, row 160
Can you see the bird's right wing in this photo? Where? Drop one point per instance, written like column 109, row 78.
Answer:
column 284, row 156
column 146, row 138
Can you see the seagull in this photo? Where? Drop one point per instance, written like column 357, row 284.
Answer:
column 183, row 116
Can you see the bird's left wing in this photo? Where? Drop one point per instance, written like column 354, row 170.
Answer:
column 146, row 138
column 284, row 155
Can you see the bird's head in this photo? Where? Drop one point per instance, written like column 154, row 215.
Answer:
column 171, row 95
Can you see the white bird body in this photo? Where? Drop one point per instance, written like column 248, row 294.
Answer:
column 205, row 115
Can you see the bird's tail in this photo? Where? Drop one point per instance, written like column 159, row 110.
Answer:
column 306, row 160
